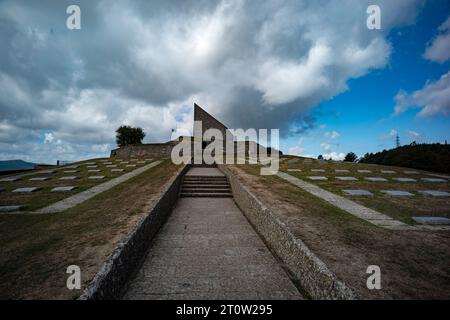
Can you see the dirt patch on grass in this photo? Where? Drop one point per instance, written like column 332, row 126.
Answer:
column 37, row 249
column 413, row 264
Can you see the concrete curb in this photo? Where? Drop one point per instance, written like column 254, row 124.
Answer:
column 109, row 282
column 311, row 272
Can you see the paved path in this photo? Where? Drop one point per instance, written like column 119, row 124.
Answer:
column 78, row 198
column 208, row 250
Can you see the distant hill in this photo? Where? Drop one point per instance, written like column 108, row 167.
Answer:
column 430, row 157
column 11, row 165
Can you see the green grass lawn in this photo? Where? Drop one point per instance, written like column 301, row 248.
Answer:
column 400, row 208
column 36, row 249
column 44, row 196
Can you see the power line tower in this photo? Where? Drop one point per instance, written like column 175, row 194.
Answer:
column 397, row 141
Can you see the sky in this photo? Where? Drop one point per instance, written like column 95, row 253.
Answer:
column 309, row 68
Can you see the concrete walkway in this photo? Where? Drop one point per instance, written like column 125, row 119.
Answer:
column 208, row 250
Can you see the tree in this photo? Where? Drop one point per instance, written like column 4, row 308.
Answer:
column 350, row 157
column 320, row 157
column 126, row 135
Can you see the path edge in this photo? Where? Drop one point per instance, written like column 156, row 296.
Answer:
column 113, row 275
column 309, row 270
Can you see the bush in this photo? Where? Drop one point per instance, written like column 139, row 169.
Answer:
column 126, row 135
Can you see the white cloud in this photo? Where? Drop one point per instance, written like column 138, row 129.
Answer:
column 432, row 99
column 390, row 135
column 414, row 135
column 439, row 49
column 326, row 146
column 334, row 156
column 48, row 137
column 332, row 135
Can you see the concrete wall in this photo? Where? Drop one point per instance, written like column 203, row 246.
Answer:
column 310, row 272
column 109, row 282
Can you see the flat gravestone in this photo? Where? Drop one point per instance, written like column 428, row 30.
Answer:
column 433, row 180
column 96, row 177
column 432, row 220
column 347, row 178
column 105, row 163
column 70, row 171
column 435, row 193
column 364, row 171
column 317, row 170
column 89, row 163
column 63, row 189
column 405, row 179
column 117, row 170
column 306, row 161
column 375, row 179
column 358, row 192
column 39, row 178
column 291, row 161
column 94, row 170
column 342, row 171
column 294, row 170
column 26, row 189
column 387, row 171
column 397, row 193
column 411, row 172
column 47, row 172
column 68, row 178
column 92, row 167
column 148, row 159
column 125, row 162
column 72, row 167
column 317, row 178
column 11, row 179
column 10, row 208
column 141, row 162
column 130, row 165
column 111, row 166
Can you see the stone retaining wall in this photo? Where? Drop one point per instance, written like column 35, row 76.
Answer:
column 109, row 282
column 311, row 273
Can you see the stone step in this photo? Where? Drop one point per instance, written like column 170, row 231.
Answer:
column 216, row 183
column 208, row 187
column 205, row 178
column 205, row 190
column 206, row 195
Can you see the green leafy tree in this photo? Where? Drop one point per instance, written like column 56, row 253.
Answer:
column 320, row 157
column 350, row 157
column 126, row 135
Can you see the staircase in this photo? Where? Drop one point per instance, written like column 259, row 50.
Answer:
column 205, row 187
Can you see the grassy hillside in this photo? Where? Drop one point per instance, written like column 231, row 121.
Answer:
column 431, row 157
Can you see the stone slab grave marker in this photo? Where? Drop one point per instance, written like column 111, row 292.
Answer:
column 130, row 166
column 294, row 170
column 11, row 208
column 432, row 220
column 10, row 179
column 47, row 172
column 71, row 171
column 405, row 179
column 375, row 179
column 292, row 161
column 358, row 192
column 364, row 171
column 141, row 162
column 148, row 159
column 317, row 178
column 90, row 163
column 317, row 170
column 92, row 167
column 105, row 163
column 433, row 193
column 341, row 171
column 71, row 167
column 434, row 180
column 125, row 162
column 397, row 193
column 306, row 161
column 411, row 172
column 111, row 166
column 117, row 170
column 39, row 179
column 387, row 171
column 68, row 178
column 96, row 177
column 63, row 189
column 347, row 178
column 94, row 170
column 26, row 189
